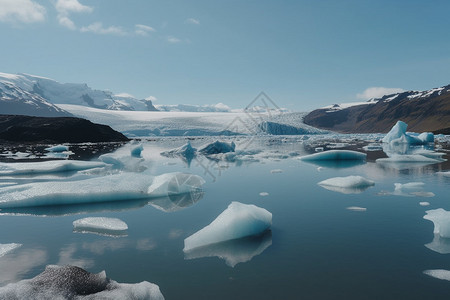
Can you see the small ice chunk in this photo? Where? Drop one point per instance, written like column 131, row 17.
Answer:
column 234, row 251
column 237, row 221
column 57, row 148
column 70, row 282
column 424, row 203
column 175, row 183
column 318, row 149
column 100, row 225
column 441, row 221
column 347, row 185
column 276, row 171
column 136, row 151
column 264, row 194
column 438, row 274
column 373, row 147
column 409, row 158
column 5, row 248
column 356, row 208
column 218, row 147
column 186, row 151
column 335, row 155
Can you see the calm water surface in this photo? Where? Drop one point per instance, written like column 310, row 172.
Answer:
column 316, row 249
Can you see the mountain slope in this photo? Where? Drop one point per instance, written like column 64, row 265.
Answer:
column 421, row 110
column 73, row 93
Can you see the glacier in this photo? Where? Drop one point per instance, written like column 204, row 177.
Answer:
column 347, row 185
column 71, row 282
column 237, row 221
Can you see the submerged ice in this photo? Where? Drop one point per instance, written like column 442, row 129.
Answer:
column 71, row 282
column 237, row 221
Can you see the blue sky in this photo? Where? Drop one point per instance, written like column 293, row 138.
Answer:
column 303, row 54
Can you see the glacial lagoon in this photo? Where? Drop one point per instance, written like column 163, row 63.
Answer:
column 369, row 242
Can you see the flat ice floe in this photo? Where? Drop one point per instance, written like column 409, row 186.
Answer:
column 5, row 248
column 70, row 282
column 234, row 251
column 100, row 225
column 347, row 185
column 123, row 186
column 335, row 155
column 438, row 273
column 356, row 208
column 46, row 167
column 57, row 148
column 237, row 221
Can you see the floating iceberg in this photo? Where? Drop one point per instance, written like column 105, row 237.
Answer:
column 441, row 221
column 424, row 203
column 439, row 245
column 409, row 189
column 373, row 147
column 117, row 187
column 356, row 208
column 276, row 171
column 70, row 282
column 136, row 151
column 264, row 194
column 57, row 148
column 439, row 274
column 398, row 135
column 335, row 155
column 237, row 221
column 218, row 147
column 46, row 167
column 234, row 251
column 100, row 225
column 5, row 248
column 186, row 151
column 126, row 163
column 347, row 185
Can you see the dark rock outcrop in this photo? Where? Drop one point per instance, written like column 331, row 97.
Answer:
column 16, row 128
column 422, row 111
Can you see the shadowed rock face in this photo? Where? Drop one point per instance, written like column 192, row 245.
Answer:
column 15, row 128
column 422, row 111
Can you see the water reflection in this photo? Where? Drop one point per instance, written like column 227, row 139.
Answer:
column 346, row 190
column 16, row 265
column 234, row 251
column 176, row 202
column 336, row 164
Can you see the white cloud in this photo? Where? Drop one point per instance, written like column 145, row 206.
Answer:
column 193, row 21
column 151, row 98
column 143, row 30
column 98, row 28
column 22, row 11
column 65, row 7
column 378, row 92
column 173, row 40
column 124, row 95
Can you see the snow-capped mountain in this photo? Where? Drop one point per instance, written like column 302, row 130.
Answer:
column 73, row 93
column 16, row 100
column 423, row 111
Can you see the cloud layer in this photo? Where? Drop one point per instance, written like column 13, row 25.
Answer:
column 378, row 92
column 21, row 11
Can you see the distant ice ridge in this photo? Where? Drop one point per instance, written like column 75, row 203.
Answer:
column 237, row 221
column 398, row 135
column 70, row 282
column 57, row 148
column 5, row 248
column 100, row 225
column 116, row 187
column 347, row 185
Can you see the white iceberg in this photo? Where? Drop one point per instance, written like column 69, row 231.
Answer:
column 5, row 248
column 347, row 185
column 438, row 274
column 234, row 251
column 264, row 194
column 70, row 282
column 57, row 148
column 441, row 221
column 237, row 221
column 356, row 208
column 335, row 155
column 126, row 163
column 398, row 135
column 100, row 225
column 218, row 147
column 186, row 151
column 424, row 203
column 46, row 167
column 117, row 187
